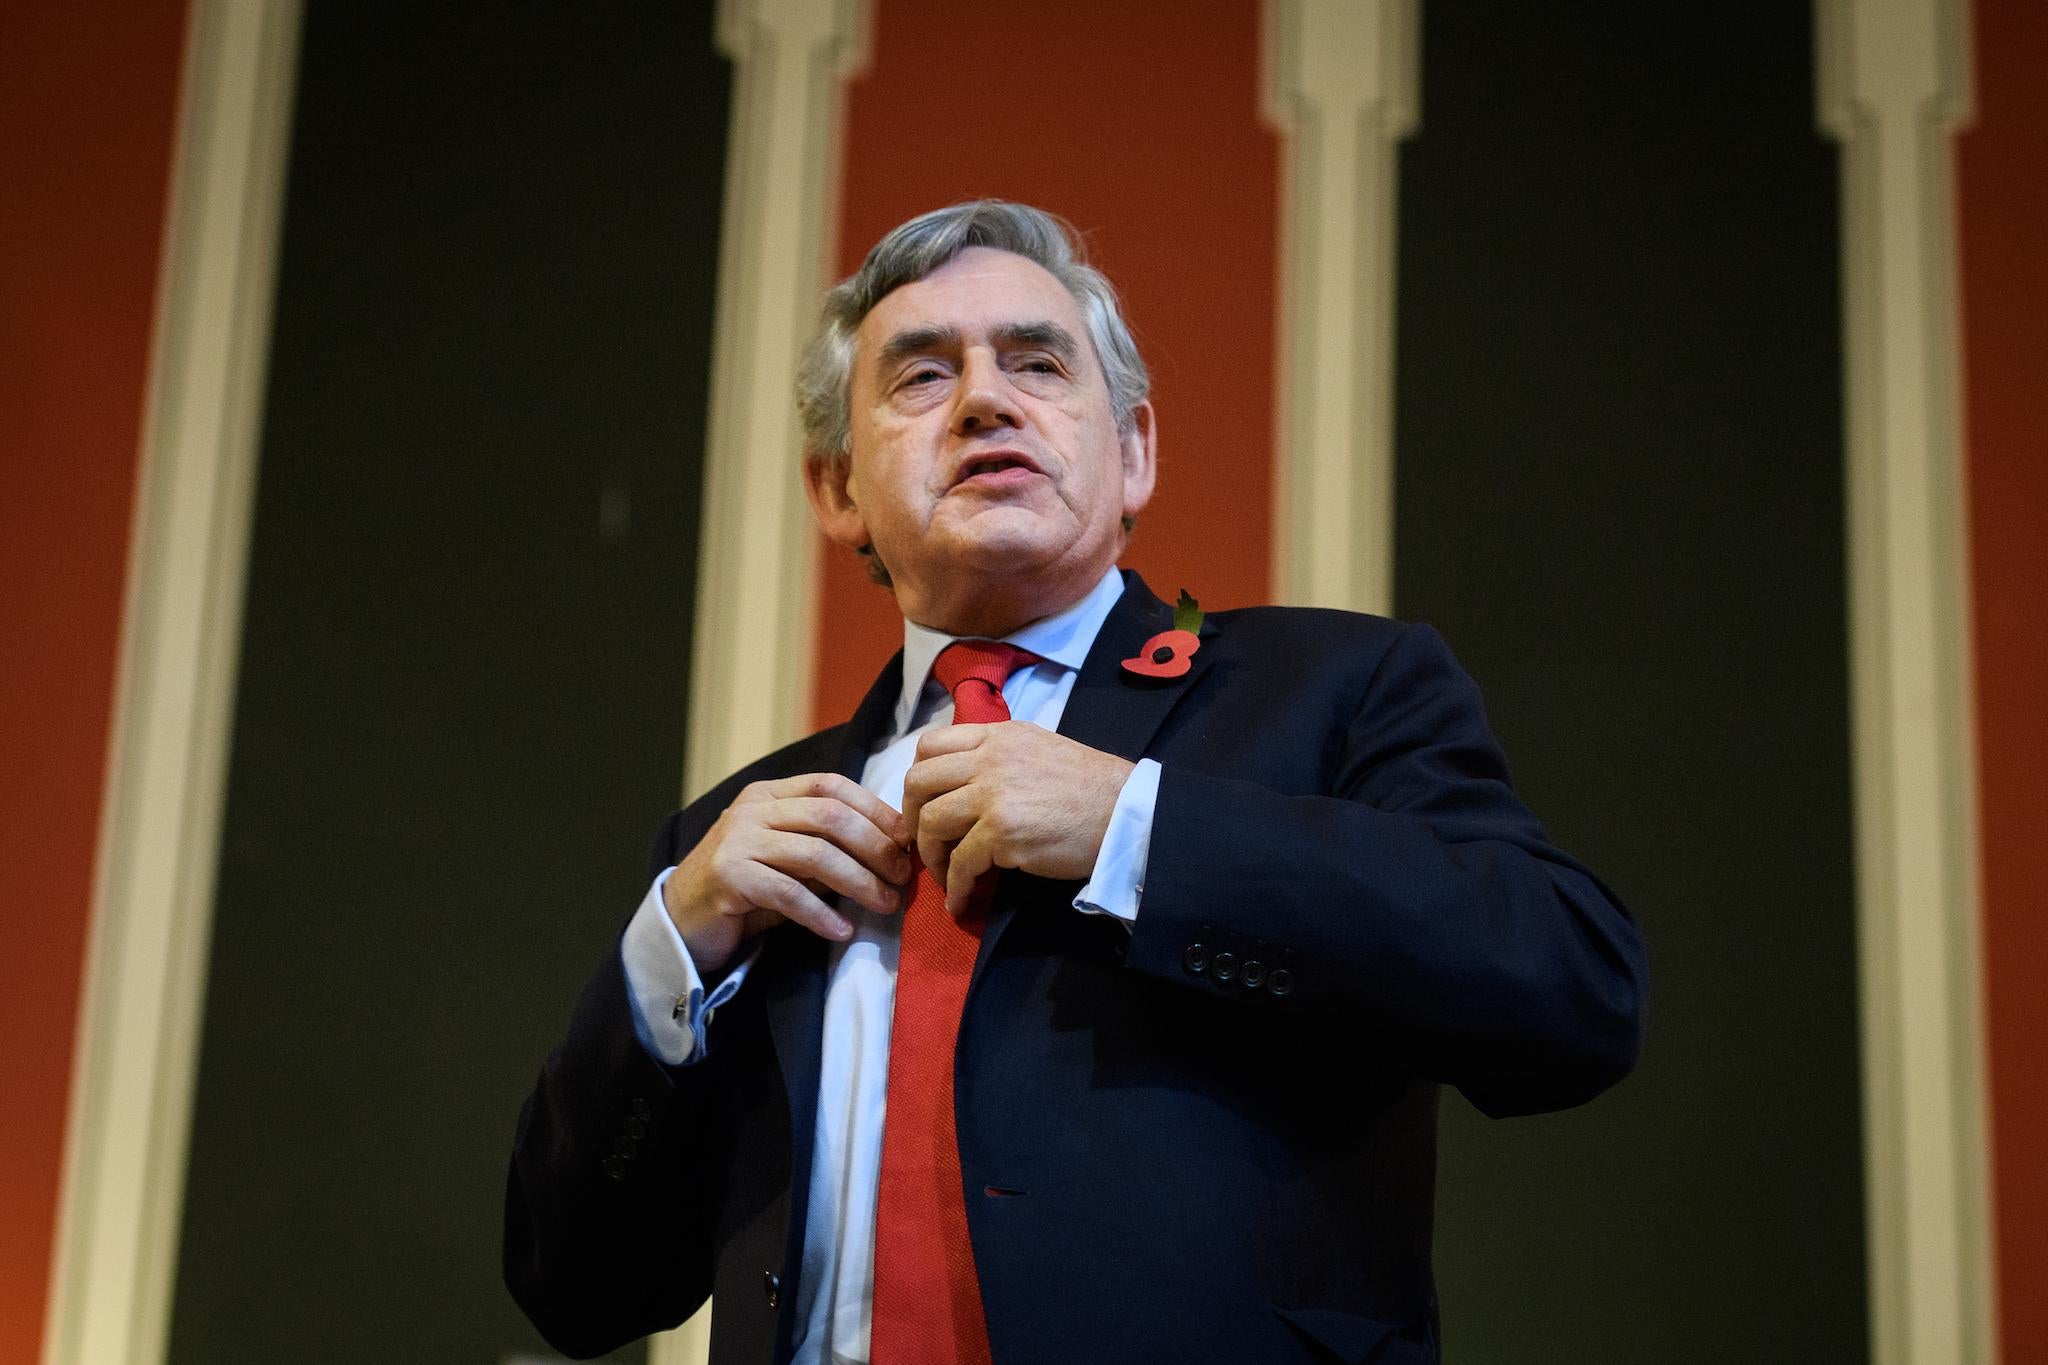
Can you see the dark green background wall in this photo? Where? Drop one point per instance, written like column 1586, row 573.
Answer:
column 1619, row 495
column 462, row 697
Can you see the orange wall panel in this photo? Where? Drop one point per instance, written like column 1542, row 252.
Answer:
column 88, row 96
column 1140, row 124
column 2002, row 201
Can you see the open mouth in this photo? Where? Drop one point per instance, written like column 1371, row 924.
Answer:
column 997, row 467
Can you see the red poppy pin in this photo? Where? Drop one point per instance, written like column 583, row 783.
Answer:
column 1166, row 654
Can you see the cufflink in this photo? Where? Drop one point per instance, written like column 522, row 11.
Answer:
column 682, row 1009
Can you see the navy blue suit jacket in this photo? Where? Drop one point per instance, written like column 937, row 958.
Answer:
column 1208, row 1137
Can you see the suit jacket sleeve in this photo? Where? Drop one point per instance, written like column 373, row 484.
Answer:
column 1416, row 903
column 610, row 1143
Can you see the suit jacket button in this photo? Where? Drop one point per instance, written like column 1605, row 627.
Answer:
column 615, row 1167
column 1195, row 959
column 1254, row 974
column 641, row 1109
column 1224, row 967
column 771, row 1288
column 1281, row 981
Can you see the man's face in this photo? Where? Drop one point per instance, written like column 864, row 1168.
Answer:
column 987, row 471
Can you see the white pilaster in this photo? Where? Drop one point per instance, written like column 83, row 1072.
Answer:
column 750, row 669
column 750, row 666
column 1341, row 81
column 124, row 1176
column 1893, row 86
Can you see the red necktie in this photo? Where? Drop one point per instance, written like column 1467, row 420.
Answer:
column 927, row 1300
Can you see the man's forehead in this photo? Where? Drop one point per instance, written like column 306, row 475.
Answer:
column 979, row 289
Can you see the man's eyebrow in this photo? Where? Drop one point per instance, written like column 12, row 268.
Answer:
column 1048, row 336
column 917, row 341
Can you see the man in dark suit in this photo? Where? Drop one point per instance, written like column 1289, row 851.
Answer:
column 1203, row 920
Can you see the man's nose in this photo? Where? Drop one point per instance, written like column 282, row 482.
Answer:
column 985, row 397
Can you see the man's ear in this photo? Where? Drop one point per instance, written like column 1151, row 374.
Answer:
column 825, row 482
column 1140, row 449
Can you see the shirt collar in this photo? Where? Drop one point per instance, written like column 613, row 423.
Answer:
column 1063, row 638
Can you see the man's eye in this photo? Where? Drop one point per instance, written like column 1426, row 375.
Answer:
column 920, row 376
column 1039, row 365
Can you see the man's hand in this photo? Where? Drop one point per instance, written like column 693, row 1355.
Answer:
column 1011, row 794
column 775, row 852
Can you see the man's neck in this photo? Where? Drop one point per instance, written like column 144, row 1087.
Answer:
column 991, row 619
column 994, row 612
column 1063, row 638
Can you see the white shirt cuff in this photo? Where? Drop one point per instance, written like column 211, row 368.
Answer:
column 671, row 1009
column 1118, row 880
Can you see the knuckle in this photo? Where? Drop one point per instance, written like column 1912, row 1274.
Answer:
column 722, row 863
column 807, row 850
column 833, row 859
column 790, row 896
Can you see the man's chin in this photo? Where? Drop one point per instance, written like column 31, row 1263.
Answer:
column 1013, row 538
column 1006, row 557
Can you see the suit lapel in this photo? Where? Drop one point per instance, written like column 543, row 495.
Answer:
column 1110, row 709
column 791, row 970
column 1113, row 709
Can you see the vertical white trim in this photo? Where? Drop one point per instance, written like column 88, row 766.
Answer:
column 1340, row 85
column 1893, row 85
column 755, row 633
column 750, row 671
column 124, row 1170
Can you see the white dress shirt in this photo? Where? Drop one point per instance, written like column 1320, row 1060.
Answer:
column 860, row 992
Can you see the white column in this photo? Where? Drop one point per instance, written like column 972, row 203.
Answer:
column 750, row 666
column 1341, row 82
column 124, row 1170
column 1893, row 87
column 750, row 669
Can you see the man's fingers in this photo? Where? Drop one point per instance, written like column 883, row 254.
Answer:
column 972, row 857
column 768, row 889
column 950, row 739
column 807, row 857
column 840, row 787
column 930, row 778
column 942, row 822
column 851, row 829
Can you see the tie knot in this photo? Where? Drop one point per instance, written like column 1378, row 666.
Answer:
column 987, row 662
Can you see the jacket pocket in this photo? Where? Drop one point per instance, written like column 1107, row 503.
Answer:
column 1356, row 1340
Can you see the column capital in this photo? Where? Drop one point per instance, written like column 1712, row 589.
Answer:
column 1357, row 55
column 1891, row 57
column 840, row 27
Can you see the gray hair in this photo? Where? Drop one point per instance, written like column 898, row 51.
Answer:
column 824, row 381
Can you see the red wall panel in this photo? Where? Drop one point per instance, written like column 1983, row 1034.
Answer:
column 1140, row 124
column 88, row 96
column 2002, row 200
